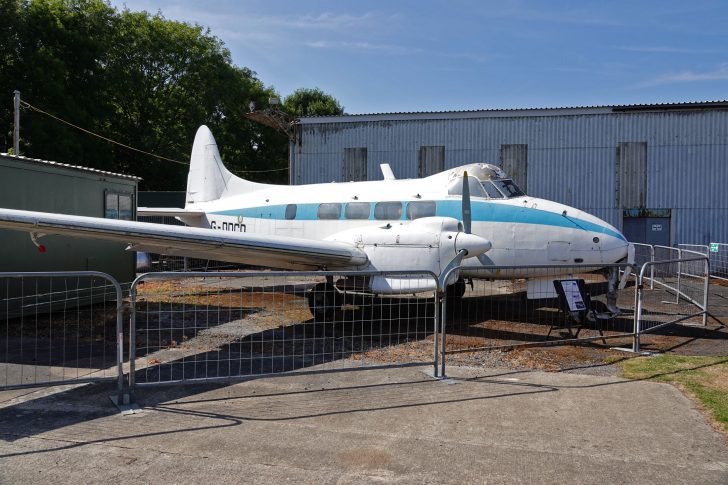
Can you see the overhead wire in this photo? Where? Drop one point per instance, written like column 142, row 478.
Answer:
column 25, row 104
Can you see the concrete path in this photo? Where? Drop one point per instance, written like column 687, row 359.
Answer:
column 394, row 425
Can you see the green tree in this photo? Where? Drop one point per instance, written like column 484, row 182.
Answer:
column 140, row 79
column 57, row 56
column 311, row 102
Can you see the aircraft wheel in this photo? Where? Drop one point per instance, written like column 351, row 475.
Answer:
column 456, row 290
column 324, row 301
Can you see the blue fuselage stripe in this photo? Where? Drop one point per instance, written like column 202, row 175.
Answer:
column 481, row 212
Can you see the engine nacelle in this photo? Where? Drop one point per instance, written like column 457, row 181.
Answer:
column 426, row 244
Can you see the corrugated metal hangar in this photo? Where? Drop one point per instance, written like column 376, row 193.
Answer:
column 658, row 172
column 40, row 185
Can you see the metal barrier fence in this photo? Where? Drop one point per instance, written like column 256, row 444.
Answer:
column 718, row 253
column 643, row 253
column 191, row 326
column 67, row 327
column 500, row 314
column 696, row 248
column 60, row 328
column 677, row 297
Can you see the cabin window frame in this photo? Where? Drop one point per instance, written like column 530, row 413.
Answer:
column 328, row 216
column 421, row 203
column 291, row 211
column 355, row 206
column 383, row 214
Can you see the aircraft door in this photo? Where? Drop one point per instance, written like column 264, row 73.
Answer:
column 647, row 230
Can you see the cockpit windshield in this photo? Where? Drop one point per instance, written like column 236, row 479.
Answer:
column 502, row 188
column 485, row 181
column 508, row 188
column 492, row 192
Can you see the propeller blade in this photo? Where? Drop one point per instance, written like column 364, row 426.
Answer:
column 467, row 217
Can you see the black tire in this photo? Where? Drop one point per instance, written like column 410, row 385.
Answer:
column 324, row 301
column 455, row 291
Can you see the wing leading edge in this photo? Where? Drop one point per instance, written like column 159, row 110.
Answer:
column 269, row 250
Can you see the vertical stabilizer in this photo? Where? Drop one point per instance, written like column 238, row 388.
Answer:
column 208, row 178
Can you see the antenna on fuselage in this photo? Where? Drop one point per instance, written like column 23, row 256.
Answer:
column 387, row 171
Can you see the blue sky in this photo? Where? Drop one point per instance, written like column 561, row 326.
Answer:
column 388, row 56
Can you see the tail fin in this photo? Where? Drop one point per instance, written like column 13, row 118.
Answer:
column 208, row 178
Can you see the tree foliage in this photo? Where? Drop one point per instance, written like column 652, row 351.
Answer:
column 311, row 102
column 137, row 78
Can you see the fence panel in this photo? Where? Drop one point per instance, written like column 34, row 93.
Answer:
column 59, row 328
column 499, row 313
column 192, row 326
column 718, row 253
column 643, row 253
column 695, row 248
column 676, row 297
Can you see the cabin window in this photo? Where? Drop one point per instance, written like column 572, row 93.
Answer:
column 509, row 188
column 291, row 211
column 423, row 208
column 357, row 210
column 329, row 211
column 118, row 206
column 388, row 210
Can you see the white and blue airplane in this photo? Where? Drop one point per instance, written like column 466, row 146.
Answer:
column 472, row 215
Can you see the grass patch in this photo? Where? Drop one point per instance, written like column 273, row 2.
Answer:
column 705, row 378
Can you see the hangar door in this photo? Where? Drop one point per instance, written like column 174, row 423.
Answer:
column 647, row 230
column 431, row 160
column 354, row 166
column 514, row 161
column 631, row 175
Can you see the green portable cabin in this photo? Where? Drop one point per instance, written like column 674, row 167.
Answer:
column 41, row 185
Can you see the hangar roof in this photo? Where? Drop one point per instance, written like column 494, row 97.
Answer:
column 38, row 161
column 506, row 113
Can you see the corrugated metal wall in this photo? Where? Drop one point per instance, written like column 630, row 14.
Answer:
column 571, row 158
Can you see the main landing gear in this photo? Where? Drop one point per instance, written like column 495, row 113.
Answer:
column 324, row 301
column 455, row 291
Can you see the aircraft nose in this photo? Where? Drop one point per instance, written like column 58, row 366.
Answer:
column 473, row 244
column 612, row 244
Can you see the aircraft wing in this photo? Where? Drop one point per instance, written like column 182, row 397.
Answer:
column 236, row 247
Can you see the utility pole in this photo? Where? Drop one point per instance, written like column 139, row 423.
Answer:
column 16, row 126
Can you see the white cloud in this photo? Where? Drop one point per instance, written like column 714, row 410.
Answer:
column 393, row 49
column 718, row 74
column 321, row 21
column 581, row 16
column 363, row 46
column 662, row 49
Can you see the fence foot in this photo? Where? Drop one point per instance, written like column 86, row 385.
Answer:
column 125, row 403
